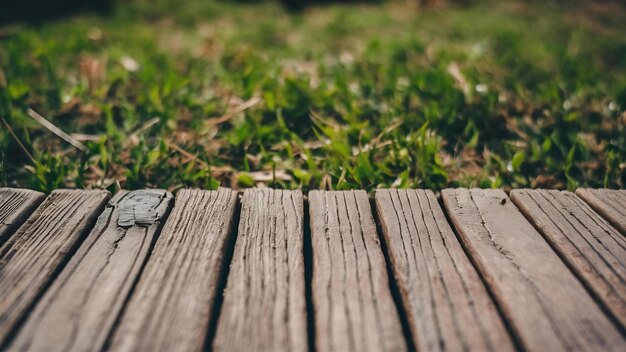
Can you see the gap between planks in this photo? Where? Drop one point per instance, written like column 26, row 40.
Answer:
column 89, row 294
column 36, row 254
column 174, row 300
column 447, row 305
column 16, row 205
column 546, row 305
column 351, row 296
column 593, row 249
column 610, row 203
column 310, row 334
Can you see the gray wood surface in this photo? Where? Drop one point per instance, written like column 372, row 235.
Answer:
column 447, row 305
column 36, row 253
column 16, row 205
column 172, row 304
column 546, row 305
column 352, row 301
column 610, row 203
column 593, row 249
column 79, row 309
column 264, row 306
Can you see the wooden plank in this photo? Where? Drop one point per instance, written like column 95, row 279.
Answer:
column 546, row 306
column 610, row 203
column 15, row 207
column 264, row 305
column 593, row 249
column 448, row 307
column 32, row 257
column 89, row 294
column 352, row 301
column 173, row 302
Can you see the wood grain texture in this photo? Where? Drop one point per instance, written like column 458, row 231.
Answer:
column 610, row 203
column 593, row 249
column 15, row 207
column 37, row 252
column 79, row 309
column 544, row 303
column 264, row 306
column 447, row 305
column 352, row 300
column 173, row 301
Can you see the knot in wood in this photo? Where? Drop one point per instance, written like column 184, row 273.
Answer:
column 140, row 208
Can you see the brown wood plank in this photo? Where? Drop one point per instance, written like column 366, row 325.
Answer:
column 610, row 203
column 82, row 304
column 545, row 304
column 447, row 305
column 37, row 252
column 264, row 306
column 15, row 207
column 593, row 249
column 173, row 301
column 353, row 305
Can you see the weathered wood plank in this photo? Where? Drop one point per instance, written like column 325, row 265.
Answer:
column 264, row 306
column 610, row 203
column 15, row 207
column 593, row 249
column 79, row 309
column 37, row 252
column 545, row 304
column 352, row 300
column 173, row 301
column 447, row 305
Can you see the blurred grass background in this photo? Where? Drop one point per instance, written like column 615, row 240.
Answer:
column 200, row 93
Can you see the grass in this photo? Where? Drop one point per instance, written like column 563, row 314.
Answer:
column 200, row 93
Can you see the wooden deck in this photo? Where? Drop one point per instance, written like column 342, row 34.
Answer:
column 275, row 270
